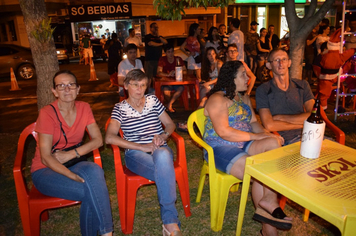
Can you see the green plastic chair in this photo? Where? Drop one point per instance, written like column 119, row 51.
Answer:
column 219, row 182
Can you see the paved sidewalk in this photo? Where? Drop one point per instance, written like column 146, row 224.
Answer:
column 19, row 108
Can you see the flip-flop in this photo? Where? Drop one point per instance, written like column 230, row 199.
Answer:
column 275, row 219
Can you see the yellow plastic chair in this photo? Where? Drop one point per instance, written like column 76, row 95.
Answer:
column 219, row 182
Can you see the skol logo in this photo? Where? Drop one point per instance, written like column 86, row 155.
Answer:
column 330, row 170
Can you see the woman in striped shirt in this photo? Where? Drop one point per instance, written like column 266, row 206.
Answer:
column 140, row 117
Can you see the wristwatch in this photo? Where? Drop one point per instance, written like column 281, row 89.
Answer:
column 76, row 153
column 166, row 133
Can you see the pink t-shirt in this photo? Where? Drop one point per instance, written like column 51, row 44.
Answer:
column 193, row 44
column 47, row 123
column 168, row 67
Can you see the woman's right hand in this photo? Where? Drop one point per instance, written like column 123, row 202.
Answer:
column 149, row 147
column 76, row 177
column 260, row 136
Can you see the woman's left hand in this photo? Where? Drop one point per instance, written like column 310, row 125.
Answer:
column 158, row 140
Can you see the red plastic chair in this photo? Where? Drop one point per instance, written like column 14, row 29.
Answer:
column 128, row 183
column 33, row 205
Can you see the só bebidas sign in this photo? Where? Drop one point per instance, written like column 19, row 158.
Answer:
column 112, row 11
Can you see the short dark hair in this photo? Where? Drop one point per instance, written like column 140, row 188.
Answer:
column 226, row 78
column 68, row 72
column 131, row 46
column 114, row 35
column 325, row 21
column 221, row 25
column 152, row 24
column 136, row 75
column 167, row 47
column 231, row 45
column 262, row 29
column 235, row 22
column 274, row 51
column 270, row 26
column 130, row 30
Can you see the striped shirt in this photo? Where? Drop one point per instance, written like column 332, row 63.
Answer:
column 139, row 127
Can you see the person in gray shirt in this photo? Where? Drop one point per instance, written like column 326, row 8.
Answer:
column 283, row 103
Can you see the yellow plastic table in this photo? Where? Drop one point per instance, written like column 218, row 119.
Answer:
column 326, row 185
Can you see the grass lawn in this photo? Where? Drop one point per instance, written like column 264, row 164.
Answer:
column 65, row 221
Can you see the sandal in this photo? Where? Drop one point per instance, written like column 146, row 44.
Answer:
column 275, row 219
column 174, row 233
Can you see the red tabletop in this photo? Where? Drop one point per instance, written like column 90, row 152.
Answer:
column 188, row 80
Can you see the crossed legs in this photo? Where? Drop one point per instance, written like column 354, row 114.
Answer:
column 262, row 196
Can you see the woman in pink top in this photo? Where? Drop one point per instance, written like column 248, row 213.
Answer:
column 191, row 47
column 61, row 126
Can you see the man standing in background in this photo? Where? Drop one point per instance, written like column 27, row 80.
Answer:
column 237, row 37
column 273, row 38
column 153, row 51
column 251, row 39
column 135, row 40
column 88, row 52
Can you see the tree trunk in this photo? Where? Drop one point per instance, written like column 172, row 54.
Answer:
column 300, row 28
column 43, row 53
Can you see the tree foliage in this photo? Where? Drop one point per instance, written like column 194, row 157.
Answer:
column 300, row 28
column 174, row 9
column 43, row 31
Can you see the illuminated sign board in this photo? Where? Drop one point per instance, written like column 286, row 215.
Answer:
column 111, row 11
column 267, row 1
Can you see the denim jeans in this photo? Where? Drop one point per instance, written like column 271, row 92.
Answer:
column 95, row 210
column 159, row 168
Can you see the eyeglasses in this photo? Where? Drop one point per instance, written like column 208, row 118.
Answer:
column 232, row 51
column 62, row 87
column 136, row 86
column 283, row 60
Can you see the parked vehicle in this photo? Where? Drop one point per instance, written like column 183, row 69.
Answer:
column 19, row 59
column 62, row 53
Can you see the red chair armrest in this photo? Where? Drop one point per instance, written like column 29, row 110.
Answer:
column 117, row 159
column 340, row 135
column 181, row 157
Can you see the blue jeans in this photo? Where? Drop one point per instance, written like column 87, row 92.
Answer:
column 159, row 168
column 95, row 210
column 225, row 155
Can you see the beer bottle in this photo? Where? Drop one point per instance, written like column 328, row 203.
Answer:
column 313, row 133
column 315, row 117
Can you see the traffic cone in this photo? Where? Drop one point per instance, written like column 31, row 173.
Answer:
column 92, row 72
column 14, row 85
